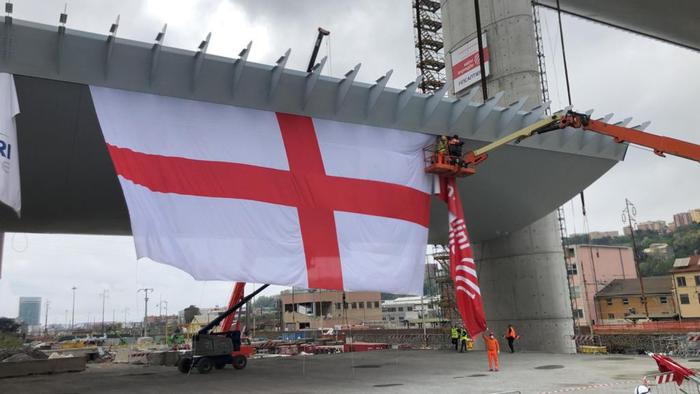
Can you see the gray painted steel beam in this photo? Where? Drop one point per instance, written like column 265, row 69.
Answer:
column 158, row 69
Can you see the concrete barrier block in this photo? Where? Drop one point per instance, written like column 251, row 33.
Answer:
column 154, row 358
column 49, row 366
column 171, row 358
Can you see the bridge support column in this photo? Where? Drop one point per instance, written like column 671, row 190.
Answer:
column 522, row 275
column 523, row 283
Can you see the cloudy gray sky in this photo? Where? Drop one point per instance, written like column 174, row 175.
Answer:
column 610, row 71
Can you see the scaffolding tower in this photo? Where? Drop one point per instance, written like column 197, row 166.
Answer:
column 448, row 301
column 430, row 57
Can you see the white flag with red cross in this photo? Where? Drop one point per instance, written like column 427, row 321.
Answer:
column 230, row 193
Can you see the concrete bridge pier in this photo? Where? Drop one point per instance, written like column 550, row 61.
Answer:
column 522, row 274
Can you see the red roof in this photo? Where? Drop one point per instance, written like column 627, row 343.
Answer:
column 693, row 265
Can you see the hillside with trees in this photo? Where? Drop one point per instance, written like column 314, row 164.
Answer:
column 685, row 241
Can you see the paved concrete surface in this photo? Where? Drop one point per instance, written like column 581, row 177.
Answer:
column 390, row 371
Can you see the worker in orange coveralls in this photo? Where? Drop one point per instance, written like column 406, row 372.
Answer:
column 493, row 348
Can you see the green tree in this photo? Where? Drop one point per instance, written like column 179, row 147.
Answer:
column 8, row 333
column 265, row 302
column 686, row 241
column 9, row 326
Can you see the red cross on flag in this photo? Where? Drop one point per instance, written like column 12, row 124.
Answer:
column 230, row 193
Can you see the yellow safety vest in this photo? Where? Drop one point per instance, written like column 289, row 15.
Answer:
column 455, row 333
column 441, row 146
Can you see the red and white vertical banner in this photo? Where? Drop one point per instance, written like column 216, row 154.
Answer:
column 462, row 264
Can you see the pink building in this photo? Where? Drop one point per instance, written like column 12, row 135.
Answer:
column 590, row 268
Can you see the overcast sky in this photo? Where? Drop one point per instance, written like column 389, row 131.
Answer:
column 610, row 71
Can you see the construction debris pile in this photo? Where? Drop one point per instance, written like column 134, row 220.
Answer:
column 21, row 354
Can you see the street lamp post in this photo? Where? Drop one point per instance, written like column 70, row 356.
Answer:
column 628, row 217
column 72, row 319
column 104, row 296
column 164, row 304
column 46, row 319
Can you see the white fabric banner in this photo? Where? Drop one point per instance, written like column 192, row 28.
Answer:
column 9, row 153
column 228, row 193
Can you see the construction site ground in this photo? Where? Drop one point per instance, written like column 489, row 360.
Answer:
column 388, row 371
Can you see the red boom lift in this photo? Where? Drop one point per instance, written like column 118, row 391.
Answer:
column 215, row 350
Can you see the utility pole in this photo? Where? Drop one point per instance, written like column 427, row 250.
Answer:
column 46, row 319
column 145, row 309
column 628, row 217
column 72, row 319
column 126, row 312
column 104, row 296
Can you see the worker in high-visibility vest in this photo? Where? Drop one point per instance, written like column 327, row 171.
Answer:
column 454, row 335
column 441, row 149
column 463, row 339
column 493, row 348
column 511, row 336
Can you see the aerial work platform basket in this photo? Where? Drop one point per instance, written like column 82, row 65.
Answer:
column 444, row 164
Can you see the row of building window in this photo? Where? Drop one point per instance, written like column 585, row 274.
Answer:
column 358, row 305
column 397, row 309
column 685, row 298
column 612, row 315
column 680, row 281
column 626, row 301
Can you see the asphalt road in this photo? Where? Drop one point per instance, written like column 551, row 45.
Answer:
column 391, row 371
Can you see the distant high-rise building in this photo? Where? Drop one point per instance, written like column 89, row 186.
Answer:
column 656, row 225
column 695, row 215
column 682, row 219
column 30, row 310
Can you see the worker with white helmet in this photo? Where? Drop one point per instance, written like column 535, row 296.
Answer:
column 643, row 388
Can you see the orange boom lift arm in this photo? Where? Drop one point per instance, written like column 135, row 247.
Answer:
column 465, row 166
column 660, row 144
